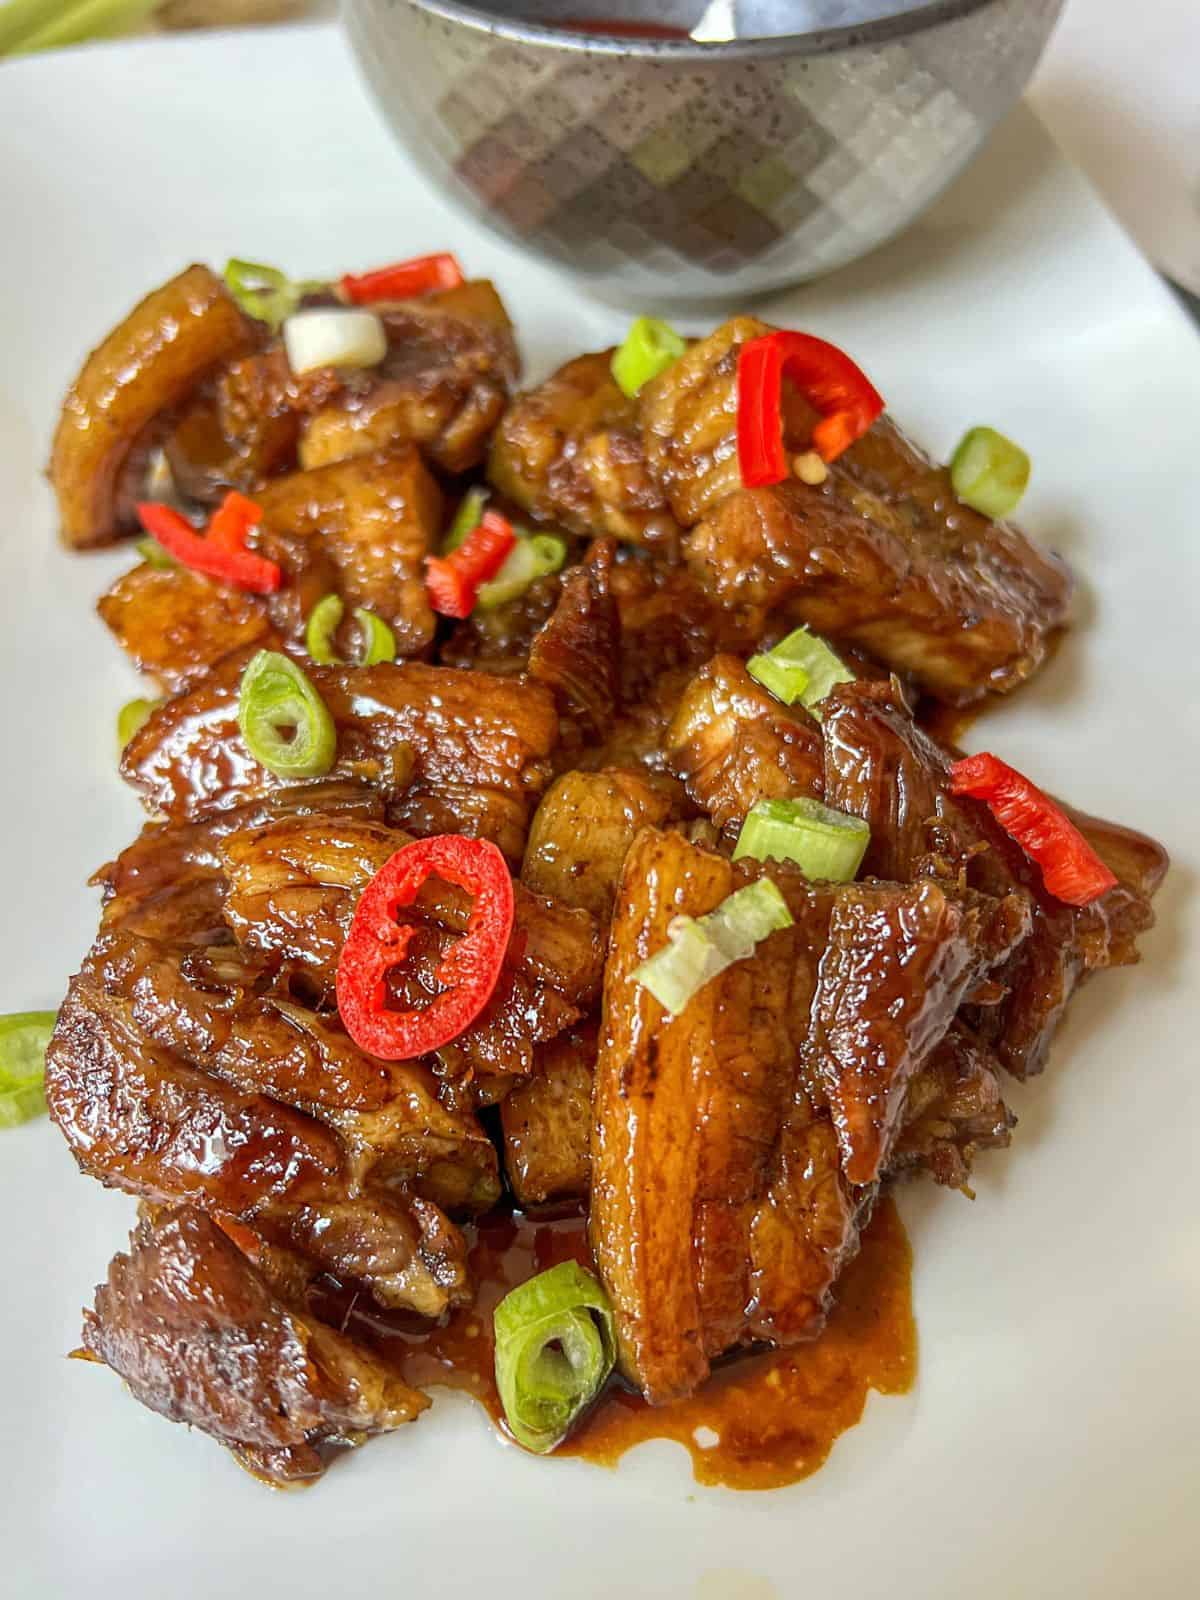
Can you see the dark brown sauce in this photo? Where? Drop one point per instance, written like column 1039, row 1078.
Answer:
column 947, row 724
column 763, row 1420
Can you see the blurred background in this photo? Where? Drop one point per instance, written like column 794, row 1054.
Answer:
column 1119, row 88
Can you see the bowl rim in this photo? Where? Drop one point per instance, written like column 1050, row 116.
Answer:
column 818, row 41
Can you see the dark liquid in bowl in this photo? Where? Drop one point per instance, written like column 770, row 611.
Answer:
column 619, row 29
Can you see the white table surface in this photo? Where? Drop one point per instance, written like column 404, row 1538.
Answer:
column 1119, row 88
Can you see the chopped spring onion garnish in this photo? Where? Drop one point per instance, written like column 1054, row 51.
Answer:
column 284, row 721
column 264, row 292
column 699, row 948
column 23, row 1040
column 466, row 519
column 154, row 555
column 134, row 714
column 378, row 640
column 534, row 556
column 827, row 845
column 555, row 1348
column 800, row 667
column 650, row 347
column 333, row 336
column 989, row 473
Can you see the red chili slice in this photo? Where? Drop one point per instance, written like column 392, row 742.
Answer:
column 452, row 581
column 218, row 554
column 404, row 280
column 232, row 521
column 376, row 943
column 1071, row 869
column 833, row 385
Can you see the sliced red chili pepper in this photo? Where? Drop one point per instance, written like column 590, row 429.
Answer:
column 376, row 943
column 229, row 563
column 404, row 280
column 1071, row 869
column 830, row 381
column 232, row 521
column 452, row 581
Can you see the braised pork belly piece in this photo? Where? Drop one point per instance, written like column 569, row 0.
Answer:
column 172, row 1078
column 201, row 1336
column 358, row 529
column 117, row 408
column 736, row 1146
column 881, row 554
column 733, row 744
column 457, row 752
column 443, row 384
column 880, row 766
column 546, row 1122
column 570, row 453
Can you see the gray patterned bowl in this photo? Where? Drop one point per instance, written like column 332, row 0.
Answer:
column 664, row 172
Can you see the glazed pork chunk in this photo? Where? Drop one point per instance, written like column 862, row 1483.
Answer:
column 292, row 890
column 569, row 452
column 880, row 766
column 881, row 555
column 451, row 751
column 736, row 1146
column 360, row 529
column 120, row 404
column 172, row 1078
column 200, row 1335
column 733, row 744
column 451, row 362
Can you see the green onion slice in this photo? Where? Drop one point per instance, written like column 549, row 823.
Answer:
column 826, row 845
column 698, row 949
column 154, row 555
column 266, row 293
column 378, row 640
column 650, row 347
column 555, row 1347
column 534, row 556
column 284, row 721
column 134, row 714
column 989, row 473
column 23, row 1040
column 467, row 518
column 800, row 667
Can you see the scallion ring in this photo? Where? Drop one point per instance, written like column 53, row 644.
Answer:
column 650, row 347
column 265, row 293
column 800, row 667
column 378, row 640
column 466, row 519
column 23, row 1040
column 989, row 473
column 828, row 846
column 153, row 554
column 698, row 949
column 555, row 1347
column 284, row 721
column 132, row 717
column 534, row 556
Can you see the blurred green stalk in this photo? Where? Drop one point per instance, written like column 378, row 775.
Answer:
column 28, row 25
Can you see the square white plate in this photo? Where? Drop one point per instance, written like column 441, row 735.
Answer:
column 1052, row 1444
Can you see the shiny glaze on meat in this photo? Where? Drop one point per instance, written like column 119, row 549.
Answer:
column 145, row 366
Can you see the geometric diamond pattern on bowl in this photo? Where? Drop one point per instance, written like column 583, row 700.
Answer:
column 666, row 176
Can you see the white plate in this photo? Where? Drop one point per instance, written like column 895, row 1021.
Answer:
column 1051, row 1444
